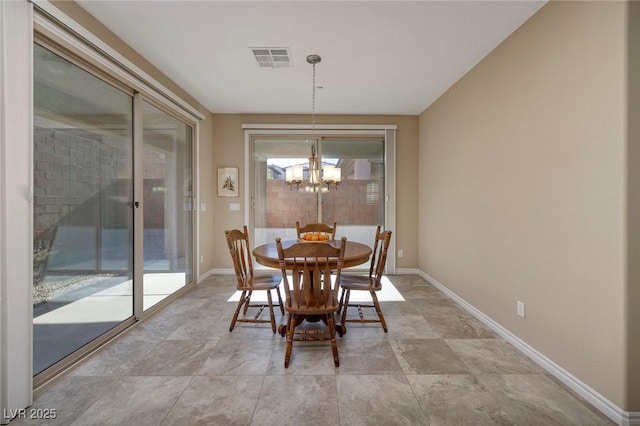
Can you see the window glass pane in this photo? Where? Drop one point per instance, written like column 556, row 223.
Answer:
column 276, row 206
column 82, row 248
column 357, row 206
column 167, row 198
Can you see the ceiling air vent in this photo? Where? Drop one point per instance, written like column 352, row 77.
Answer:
column 272, row 57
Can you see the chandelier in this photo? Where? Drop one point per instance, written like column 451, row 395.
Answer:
column 331, row 175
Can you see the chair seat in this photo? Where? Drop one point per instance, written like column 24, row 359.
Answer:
column 261, row 282
column 360, row 282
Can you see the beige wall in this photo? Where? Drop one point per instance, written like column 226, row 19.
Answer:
column 633, row 214
column 228, row 150
column 522, row 192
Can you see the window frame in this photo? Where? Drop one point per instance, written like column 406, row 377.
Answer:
column 387, row 131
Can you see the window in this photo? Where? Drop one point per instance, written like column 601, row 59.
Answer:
column 358, row 205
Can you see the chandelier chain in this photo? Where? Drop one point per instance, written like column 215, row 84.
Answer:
column 313, row 103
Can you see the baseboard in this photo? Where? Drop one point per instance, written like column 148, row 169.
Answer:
column 205, row 275
column 222, row 271
column 407, row 271
column 601, row 403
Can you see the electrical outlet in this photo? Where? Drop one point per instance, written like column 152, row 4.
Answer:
column 520, row 308
column 400, row 253
column 201, row 258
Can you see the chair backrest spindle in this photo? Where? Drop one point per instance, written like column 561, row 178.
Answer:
column 240, row 250
column 312, row 267
column 379, row 254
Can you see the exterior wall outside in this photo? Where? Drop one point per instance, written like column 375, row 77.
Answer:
column 522, row 190
column 346, row 206
column 76, row 175
column 61, row 157
column 91, row 163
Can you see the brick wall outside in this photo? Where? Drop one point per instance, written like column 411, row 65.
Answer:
column 346, row 206
column 70, row 169
column 82, row 178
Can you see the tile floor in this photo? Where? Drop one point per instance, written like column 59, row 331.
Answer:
column 437, row 365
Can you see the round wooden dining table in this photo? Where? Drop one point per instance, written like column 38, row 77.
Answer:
column 354, row 254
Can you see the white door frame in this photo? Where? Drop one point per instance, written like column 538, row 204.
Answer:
column 16, row 44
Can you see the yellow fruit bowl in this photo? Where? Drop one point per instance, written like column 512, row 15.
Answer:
column 314, row 238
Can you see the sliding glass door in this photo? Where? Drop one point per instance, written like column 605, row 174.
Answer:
column 82, row 214
column 104, row 159
column 357, row 206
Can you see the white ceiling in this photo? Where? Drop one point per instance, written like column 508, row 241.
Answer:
column 378, row 57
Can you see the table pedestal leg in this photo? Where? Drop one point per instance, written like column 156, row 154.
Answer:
column 340, row 328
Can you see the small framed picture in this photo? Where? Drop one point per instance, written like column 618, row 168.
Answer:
column 228, row 182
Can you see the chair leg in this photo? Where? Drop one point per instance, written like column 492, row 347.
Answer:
column 246, row 305
column 280, row 300
column 345, row 306
column 376, row 304
column 290, row 331
column 271, row 314
column 340, row 303
column 237, row 312
column 334, row 345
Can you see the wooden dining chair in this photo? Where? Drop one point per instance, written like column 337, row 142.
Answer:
column 312, row 294
column 371, row 283
column 316, row 227
column 247, row 283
